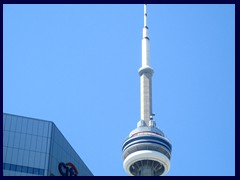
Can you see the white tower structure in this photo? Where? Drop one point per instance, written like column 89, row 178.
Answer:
column 146, row 151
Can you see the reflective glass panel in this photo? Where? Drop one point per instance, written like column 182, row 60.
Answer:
column 22, row 141
column 44, row 144
column 24, row 125
column 45, row 129
column 33, row 143
column 29, row 126
column 24, row 169
column 8, row 123
column 14, row 123
column 39, row 144
column 17, row 140
column 40, row 128
column 20, row 156
column 42, row 160
column 4, row 154
column 27, row 142
column 7, row 166
column 31, row 158
column 14, row 156
column 30, row 170
column 13, row 167
column 19, row 168
column 25, row 157
column 5, row 138
column 41, row 172
column 11, row 139
column 9, row 155
column 35, row 127
column 35, row 171
column 19, row 124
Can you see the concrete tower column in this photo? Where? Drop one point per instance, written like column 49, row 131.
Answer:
column 146, row 93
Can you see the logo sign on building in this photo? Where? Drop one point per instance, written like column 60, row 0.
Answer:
column 67, row 169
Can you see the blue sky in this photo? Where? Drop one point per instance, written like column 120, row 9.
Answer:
column 77, row 65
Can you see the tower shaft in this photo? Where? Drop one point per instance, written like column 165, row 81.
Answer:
column 146, row 73
column 146, row 97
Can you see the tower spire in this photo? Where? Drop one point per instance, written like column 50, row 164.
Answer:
column 145, row 15
column 145, row 41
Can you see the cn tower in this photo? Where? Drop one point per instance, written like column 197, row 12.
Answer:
column 146, row 151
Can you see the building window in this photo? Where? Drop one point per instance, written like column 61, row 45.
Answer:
column 30, row 170
column 19, row 168
column 35, row 171
column 24, row 169
column 6, row 166
column 13, row 167
column 41, row 171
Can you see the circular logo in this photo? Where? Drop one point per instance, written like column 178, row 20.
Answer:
column 67, row 169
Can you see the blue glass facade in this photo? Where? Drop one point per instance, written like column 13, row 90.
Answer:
column 23, row 169
column 33, row 147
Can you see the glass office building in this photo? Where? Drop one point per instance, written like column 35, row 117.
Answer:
column 33, row 147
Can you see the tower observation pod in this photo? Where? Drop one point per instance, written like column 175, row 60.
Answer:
column 146, row 151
